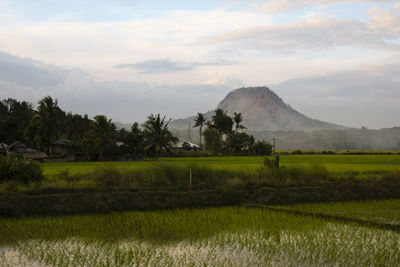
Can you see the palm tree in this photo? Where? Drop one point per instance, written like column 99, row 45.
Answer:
column 44, row 126
column 105, row 132
column 222, row 122
column 237, row 118
column 157, row 134
column 199, row 122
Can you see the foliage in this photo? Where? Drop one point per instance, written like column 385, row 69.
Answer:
column 377, row 211
column 134, row 142
column 238, row 118
column 232, row 236
column 15, row 116
column 105, row 132
column 262, row 148
column 157, row 135
column 45, row 124
column 240, row 143
column 272, row 163
column 212, row 139
column 200, row 120
column 20, row 170
column 222, row 122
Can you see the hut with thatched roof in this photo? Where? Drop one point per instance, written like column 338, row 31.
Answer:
column 19, row 148
column 60, row 147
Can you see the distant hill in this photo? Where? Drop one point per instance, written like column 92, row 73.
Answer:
column 263, row 110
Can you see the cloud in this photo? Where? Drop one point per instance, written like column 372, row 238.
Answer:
column 282, row 6
column 26, row 71
column 122, row 101
column 367, row 96
column 317, row 34
column 169, row 66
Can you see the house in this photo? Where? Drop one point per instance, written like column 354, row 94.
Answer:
column 59, row 147
column 19, row 148
column 3, row 149
column 188, row 146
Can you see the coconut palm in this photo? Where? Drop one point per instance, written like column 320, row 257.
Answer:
column 105, row 132
column 222, row 122
column 157, row 135
column 237, row 118
column 199, row 122
column 44, row 126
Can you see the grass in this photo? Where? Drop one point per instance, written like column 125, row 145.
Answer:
column 378, row 211
column 231, row 236
column 333, row 163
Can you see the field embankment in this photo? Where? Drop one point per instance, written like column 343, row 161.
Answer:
column 77, row 188
column 100, row 201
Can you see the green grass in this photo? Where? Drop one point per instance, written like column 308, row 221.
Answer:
column 379, row 211
column 333, row 163
column 230, row 236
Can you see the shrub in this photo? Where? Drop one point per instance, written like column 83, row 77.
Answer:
column 262, row 148
column 19, row 170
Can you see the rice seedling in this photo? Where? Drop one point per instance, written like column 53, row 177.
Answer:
column 221, row 236
column 378, row 211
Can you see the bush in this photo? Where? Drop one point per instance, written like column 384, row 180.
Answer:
column 262, row 148
column 18, row 169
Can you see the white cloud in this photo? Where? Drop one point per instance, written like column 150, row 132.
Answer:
column 385, row 21
column 319, row 34
column 122, row 101
column 169, row 66
column 282, row 6
column 97, row 47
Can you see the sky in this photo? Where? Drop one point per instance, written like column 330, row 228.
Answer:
column 333, row 60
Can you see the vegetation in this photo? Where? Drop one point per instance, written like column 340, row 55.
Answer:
column 157, row 135
column 98, row 139
column 19, row 170
column 219, row 236
column 377, row 211
column 200, row 120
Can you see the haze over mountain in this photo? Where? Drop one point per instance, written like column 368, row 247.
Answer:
column 262, row 110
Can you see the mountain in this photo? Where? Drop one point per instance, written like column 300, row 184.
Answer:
column 263, row 110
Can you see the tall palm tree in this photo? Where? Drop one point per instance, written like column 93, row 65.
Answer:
column 46, row 121
column 157, row 135
column 237, row 118
column 222, row 122
column 199, row 122
column 105, row 132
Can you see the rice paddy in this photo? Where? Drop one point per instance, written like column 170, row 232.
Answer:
column 232, row 236
column 378, row 211
column 228, row 236
column 333, row 163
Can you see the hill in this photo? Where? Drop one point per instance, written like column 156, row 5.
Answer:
column 263, row 110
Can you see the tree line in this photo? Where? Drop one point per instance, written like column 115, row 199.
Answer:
column 222, row 135
column 99, row 138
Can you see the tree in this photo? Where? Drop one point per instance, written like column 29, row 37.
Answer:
column 15, row 116
column 240, row 143
column 134, row 141
column 237, row 118
column 222, row 122
column 45, row 124
column 212, row 139
column 157, row 135
column 105, row 132
column 262, row 148
column 199, row 122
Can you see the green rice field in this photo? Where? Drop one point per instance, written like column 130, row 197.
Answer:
column 231, row 236
column 378, row 211
column 333, row 163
